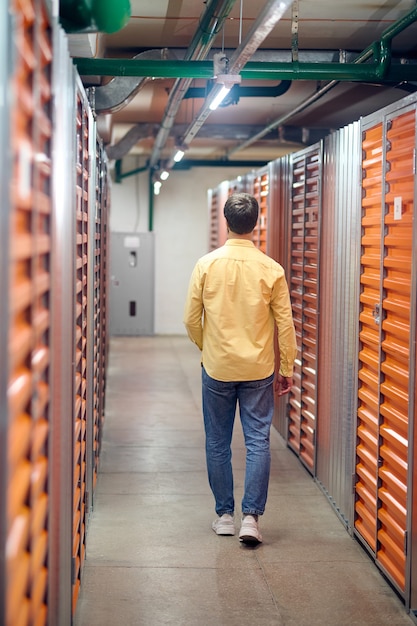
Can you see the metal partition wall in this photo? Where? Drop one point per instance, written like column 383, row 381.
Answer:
column 306, row 173
column 29, row 328
column 99, row 304
column 387, row 336
column 5, row 173
column 277, row 247
column 62, row 325
column 338, row 335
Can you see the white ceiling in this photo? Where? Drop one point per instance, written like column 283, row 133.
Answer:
column 323, row 26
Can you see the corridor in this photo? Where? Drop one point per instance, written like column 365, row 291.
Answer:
column 152, row 558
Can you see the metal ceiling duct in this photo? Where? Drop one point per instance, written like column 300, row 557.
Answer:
column 120, row 90
column 210, row 24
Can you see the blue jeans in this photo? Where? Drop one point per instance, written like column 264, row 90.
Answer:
column 256, row 408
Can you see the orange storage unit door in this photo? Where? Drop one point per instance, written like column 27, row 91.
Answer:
column 261, row 193
column 5, row 170
column 306, row 170
column 98, row 234
column 80, row 385
column 29, row 337
column 385, row 339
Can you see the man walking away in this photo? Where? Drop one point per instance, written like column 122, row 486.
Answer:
column 235, row 297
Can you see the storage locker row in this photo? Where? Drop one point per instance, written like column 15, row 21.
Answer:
column 339, row 216
column 53, row 274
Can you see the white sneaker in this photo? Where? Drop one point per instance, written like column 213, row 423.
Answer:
column 249, row 531
column 224, row 525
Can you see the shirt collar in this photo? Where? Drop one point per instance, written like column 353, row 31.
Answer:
column 239, row 242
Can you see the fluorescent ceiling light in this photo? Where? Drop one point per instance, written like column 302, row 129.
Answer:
column 178, row 156
column 219, row 98
column 164, row 175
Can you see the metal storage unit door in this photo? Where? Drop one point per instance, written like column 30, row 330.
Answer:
column 98, row 302
column 385, row 339
column 261, row 191
column 80, row 386
column 306, row 167
column 5, row 175
column 29, row 321
column 216, row 200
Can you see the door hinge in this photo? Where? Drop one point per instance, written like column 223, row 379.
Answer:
column 405, row 542
column 353, row 483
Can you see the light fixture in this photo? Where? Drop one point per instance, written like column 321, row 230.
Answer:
column 178, row 155
column 219, row 98
column 164, row 175
column 227, row 81
column 157, row 187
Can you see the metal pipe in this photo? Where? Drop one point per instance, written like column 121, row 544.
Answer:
column 263, row 70
column 267, row 70
column 211, row 22
column 261, row 28
column 370, row 51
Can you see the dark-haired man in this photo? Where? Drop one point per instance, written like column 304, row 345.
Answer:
column 236, row 296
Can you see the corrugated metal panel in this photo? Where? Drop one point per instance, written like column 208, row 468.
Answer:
column 386, row 337
column 303, row 281
column 339, row 274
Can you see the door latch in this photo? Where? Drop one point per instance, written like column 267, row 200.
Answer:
column 376, row 314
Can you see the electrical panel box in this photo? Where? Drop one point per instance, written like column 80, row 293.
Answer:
column 132, row 278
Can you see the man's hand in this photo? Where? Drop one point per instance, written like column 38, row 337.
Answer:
column 283, row 384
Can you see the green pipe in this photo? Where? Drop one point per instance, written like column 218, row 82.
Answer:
column 107, row 16
column 119, row 175
column 379, row 71
column 259, row 70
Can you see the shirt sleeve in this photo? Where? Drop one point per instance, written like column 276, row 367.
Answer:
column 287, row 342
column 193, row 310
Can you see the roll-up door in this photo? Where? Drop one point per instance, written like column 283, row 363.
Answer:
column 29, row 321
column 303, row 282
column 261, row 191
column 383, row 407
column 80, row 387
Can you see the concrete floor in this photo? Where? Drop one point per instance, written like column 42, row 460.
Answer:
column 152, row 558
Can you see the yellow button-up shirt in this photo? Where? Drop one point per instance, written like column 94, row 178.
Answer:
column 235, row 295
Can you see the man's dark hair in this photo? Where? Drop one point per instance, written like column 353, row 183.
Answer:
column 241, row 212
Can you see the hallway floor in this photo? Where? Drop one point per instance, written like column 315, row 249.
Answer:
column 152, row 558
